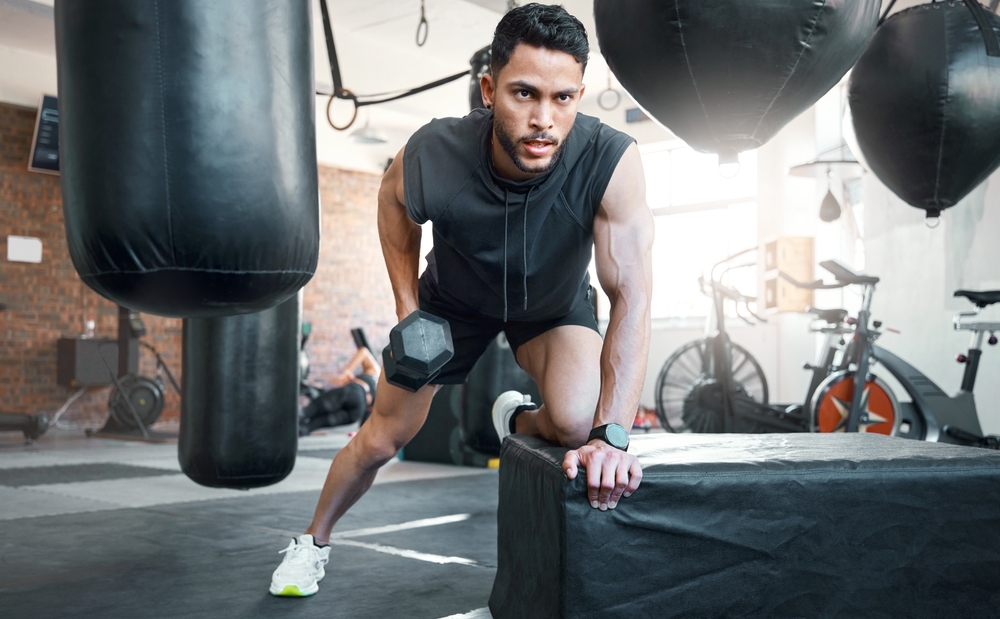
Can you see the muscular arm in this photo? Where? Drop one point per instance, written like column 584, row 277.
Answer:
column 400, row 239
column 623, row 240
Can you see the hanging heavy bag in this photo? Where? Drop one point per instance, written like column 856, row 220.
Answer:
column 239, row 408
column 925, row 99
column 188, row 151
column 725, row 76
column 479, row 66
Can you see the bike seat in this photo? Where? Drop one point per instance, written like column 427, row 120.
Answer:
column 844, row 274
column 832, row 316
column 981, row 299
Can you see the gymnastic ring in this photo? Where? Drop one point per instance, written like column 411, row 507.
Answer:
column 347, row 94
column 424, row 27
column 600, row 99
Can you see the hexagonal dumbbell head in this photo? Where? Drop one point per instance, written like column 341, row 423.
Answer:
column 400, row 376
column 421, row 343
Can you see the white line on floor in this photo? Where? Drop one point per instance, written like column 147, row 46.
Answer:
column 482, row 613
column 392, row 528
column 402, row 552
column 340, row 539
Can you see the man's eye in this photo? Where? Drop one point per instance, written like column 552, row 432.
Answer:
column 523, row 93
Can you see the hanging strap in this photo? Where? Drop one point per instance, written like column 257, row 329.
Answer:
column 885, row 13
column 339, row 92
column 983, row 19
column 331, row 50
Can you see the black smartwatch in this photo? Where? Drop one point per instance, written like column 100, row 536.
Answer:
column 612, row 434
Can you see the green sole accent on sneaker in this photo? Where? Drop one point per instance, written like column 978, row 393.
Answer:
column 291, row 591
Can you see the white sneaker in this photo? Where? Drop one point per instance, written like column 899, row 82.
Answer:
column 503, row 410
column 301, row 570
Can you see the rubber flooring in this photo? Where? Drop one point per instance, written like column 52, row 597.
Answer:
column 215, row 558
column 421, row 544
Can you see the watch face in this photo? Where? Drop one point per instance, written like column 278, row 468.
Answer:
column 617, row 435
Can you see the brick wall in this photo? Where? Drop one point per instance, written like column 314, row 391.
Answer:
column 48, row 300
column 351, row 287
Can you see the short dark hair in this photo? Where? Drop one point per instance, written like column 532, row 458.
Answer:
column 539, row 25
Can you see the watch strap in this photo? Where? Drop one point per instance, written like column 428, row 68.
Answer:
column 601, row 432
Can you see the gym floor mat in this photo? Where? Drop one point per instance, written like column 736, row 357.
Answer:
column 326, row 454
column 215, row 558
column 99, row 471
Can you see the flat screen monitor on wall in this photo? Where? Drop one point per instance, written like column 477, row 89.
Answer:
column 45, row 143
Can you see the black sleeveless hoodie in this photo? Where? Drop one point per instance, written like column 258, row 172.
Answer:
column 512, row 250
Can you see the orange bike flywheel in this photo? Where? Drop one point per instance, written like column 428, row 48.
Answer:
column 833, row 404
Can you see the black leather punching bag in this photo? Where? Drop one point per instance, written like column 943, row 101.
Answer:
column 496, row 371
column 726, row 75
column 925, row 98
column 239, row 409
column 188, row 151
column 479, row 66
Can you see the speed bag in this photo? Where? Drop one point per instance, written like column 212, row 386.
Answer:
column 240, row 402
column 188, row 151
column 726, row 76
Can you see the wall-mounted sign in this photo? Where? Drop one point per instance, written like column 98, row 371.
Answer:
column 45, row 144
column 24, row 249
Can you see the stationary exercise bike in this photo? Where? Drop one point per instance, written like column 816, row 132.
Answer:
column 932, row 415
column 714, row 385
column 136, row 401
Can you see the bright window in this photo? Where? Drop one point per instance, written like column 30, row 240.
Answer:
column 701, row 217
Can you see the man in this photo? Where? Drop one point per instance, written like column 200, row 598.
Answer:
column 519, row 196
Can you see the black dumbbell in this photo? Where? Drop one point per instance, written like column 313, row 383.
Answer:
column 419, row 346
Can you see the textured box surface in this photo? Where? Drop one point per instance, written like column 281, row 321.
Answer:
column 794, row 525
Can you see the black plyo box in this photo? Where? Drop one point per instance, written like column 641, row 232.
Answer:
column 769, row 526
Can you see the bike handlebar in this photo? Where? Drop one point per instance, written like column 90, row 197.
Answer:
column 711, row 272
column 727, row 291
column 813, row 285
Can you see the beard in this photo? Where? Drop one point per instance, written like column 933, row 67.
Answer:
column 505, row 136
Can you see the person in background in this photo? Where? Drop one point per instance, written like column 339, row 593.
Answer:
column 349, row 398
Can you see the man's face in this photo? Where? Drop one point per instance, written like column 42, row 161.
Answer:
column 534, row 99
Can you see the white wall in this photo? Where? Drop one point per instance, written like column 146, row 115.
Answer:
column 921, row 268
column 787, row 206
column 26, row 76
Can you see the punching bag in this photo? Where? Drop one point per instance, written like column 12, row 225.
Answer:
column 725, row 76
column 479, row 65
column 925, row 99
column 188, row 151
column 496, row 371
column 239, row 408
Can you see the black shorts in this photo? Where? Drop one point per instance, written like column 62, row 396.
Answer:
column 472, row 333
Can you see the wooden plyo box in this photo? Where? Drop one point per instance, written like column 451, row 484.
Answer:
column 795, row 256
